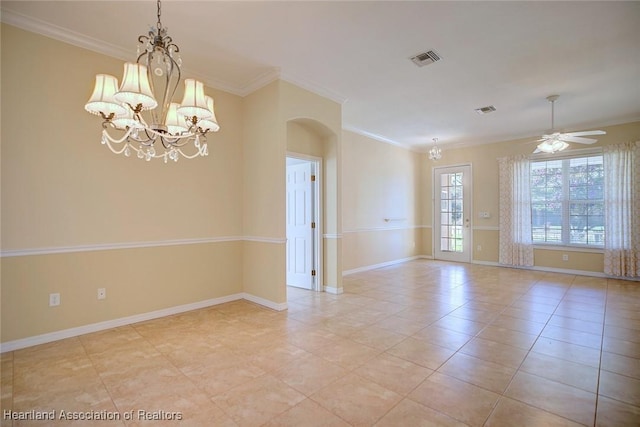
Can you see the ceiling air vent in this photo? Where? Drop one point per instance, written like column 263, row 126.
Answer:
column 485, row 110
column 425, row 58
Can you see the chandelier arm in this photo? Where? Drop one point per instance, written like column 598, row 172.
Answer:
column 150, row 138
column 114, row 151
column 202, row 149
column 171, row 141
column 107, row 140
column 106, row 136
column 201, row 152
column 186, row 139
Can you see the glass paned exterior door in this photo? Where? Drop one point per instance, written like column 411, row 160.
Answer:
column 452, row 213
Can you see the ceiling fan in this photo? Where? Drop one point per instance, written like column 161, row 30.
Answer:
column 554, row 141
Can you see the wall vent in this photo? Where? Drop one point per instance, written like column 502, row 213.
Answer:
column 485, row 110
column 425, row 58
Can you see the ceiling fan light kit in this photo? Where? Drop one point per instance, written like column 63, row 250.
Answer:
column 554, row 141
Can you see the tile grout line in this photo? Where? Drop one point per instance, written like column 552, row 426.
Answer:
column 93, row 366
column 502, row 395
column 525, row 358
column 604, row 319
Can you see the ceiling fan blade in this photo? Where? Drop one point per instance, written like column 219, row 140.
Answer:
column 578, row 139
column 586, row 132
column 537, row 151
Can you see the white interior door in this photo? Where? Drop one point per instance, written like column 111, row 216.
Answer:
column 452, row 213
column 300, row 225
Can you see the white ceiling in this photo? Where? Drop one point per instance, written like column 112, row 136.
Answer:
column 511, row 55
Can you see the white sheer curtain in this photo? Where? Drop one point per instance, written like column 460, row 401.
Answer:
column 622, row 209
column 516, row 246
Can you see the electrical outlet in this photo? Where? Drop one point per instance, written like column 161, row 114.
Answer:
column 479, row 248
column 54, row 300
column 102, row 293
column 565, row 257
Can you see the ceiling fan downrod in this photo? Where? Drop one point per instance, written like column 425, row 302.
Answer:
column 552, row 99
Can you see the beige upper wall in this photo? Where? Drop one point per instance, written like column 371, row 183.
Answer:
column 300, row 104
column 483, row 159
column 62, row 188
column 324, row 117
column 380, row 181
column 301, row 139
column 264, row 147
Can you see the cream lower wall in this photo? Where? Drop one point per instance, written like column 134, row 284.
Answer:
column 486, row 249
column 427, row 241
column 332, row 250
column 372, row 247
column 383, row 210
column 578, row 260
column 62, row 189
column 137, row 281
column 485, row 245
column 483, row 159
column 264, row 272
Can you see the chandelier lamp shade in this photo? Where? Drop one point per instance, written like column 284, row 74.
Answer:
column 141, row 108
column 435, row 153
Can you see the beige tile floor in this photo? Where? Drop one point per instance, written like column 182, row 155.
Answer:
column 422, row 343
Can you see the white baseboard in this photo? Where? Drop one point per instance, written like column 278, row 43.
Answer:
column 333, row 290
column 265, row 302
column 382, row 264
column 123, row 321
column 544, row 269
column 489, row 263
column 568, row 271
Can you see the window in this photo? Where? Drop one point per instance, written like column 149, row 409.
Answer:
column 451, row 211
column 567, row 201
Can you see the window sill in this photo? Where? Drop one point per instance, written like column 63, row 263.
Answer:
column 564, row 248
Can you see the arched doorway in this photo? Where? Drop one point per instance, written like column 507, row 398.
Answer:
column 311, row 141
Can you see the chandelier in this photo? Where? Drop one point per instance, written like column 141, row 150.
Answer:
column 435, row 153
column 170, row 130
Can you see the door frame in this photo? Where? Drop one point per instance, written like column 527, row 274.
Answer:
column 436, row 209
column 316, row 162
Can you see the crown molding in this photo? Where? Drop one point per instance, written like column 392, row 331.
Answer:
column 260, row 81
column 65, row 35
column 47, row 29
column 380, row 138
column 314, row 87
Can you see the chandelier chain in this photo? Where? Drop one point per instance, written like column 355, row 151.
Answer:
column 159, row 13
